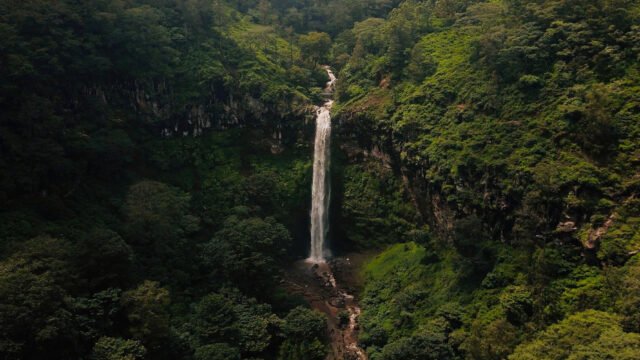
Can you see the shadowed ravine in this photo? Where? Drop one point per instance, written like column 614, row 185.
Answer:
column 314, row 278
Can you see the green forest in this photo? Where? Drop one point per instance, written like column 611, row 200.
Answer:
column 157, row 174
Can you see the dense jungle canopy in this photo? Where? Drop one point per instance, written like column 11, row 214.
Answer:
column 156, row 166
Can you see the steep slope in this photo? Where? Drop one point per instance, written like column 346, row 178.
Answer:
column 514, row 127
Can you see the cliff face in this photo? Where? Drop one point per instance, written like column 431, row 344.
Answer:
column 364, row 148
column 156, row 104
column 377, row 200
column 362, row 136
column 54, row 142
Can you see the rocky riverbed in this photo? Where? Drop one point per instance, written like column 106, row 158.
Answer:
column 332, row 287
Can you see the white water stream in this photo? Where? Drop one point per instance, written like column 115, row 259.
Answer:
column 344, row 340
column 321, row 187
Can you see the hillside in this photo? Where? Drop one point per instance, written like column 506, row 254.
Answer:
column 157, row 168
column 515, row 128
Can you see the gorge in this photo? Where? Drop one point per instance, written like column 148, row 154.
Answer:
column 314, row 278
column 179, row 180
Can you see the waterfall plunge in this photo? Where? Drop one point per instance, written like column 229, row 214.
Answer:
column 321, row 187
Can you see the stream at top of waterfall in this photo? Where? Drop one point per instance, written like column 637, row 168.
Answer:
column 331, row 287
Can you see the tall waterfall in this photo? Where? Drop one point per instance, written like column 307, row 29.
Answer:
column 321, row 187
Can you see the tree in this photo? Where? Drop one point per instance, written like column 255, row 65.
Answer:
column 586, row 335
column 141, row 42
column 158, row 224
column 35, row 313
column 302, row 323
column 612, row 344
column 305, row 331
column 430, row 345
column 447, row 9
column 96, row 315
column 629, row 297
column 264, row 12
column 232, row 318
column 156, row 213
column 294, row 18
column 420, row 65
column 219, row 9
column 471, row 242
column 491, row 339
column 316, row 46
column 256, row 324
column 215, row 320
column 404, row 25
column 368, row 33
column 245, row 251
column 108, row 348
column 106, row 258
column 517, row 303
column 219, row 351
column 146, row 309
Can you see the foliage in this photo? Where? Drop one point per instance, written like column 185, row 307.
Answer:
column 107, row 204
column 629, row 299
column 586, row 335
column 229, row 317
column 316, row 45
column 374, row 207
column 304, row 332
column 155, row 175
column 34, row 310
column 216, row 352
column 511, row 127
column 147, row 312
column 245, row 251
column 107, row 348
column 424, row 346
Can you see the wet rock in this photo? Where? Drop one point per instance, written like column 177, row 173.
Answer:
column 596, row 234
column 325, row 292
column 337, row 302
column 566, row 227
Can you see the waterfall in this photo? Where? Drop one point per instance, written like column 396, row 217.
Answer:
column 321, row 187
